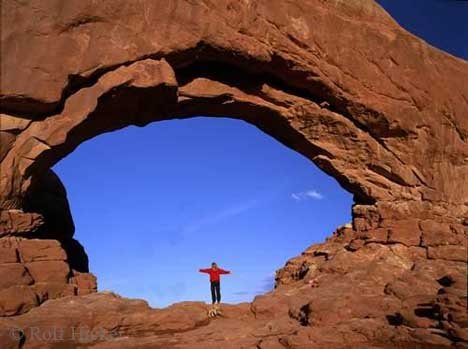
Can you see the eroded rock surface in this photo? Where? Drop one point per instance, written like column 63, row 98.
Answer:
column 338, row 81
column 379, row 295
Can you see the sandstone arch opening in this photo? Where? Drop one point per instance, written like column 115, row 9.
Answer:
column 148, row 90
column 343, row 138
column 306, row 120
column 146, row 230
column 339, row 81
column 352, row 142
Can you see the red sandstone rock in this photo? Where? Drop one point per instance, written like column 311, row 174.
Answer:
column 16, row 222
column 49, row 271
column 8, row 251
column 16, row 300
column 385, row 116
column 85, row 282
column 366, row 142
column 12, row 274
column 33, row 250
column 51, row 290
column 406, row 232
column 450, row 253
column 435, row 234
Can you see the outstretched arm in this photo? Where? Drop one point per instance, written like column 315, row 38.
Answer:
column 222, row 271
column 204, row 270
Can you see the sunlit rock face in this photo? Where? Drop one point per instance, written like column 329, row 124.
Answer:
column 338, row 81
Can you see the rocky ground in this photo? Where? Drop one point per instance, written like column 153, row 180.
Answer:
column 344, row 293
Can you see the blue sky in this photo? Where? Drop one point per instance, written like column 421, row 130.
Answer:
column 441, row 23
column 152, row 205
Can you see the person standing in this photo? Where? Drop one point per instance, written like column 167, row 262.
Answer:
column 215, row 273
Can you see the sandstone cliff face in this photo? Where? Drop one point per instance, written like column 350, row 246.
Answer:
column 340, row 82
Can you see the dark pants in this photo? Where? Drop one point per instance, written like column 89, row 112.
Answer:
column 215, row 292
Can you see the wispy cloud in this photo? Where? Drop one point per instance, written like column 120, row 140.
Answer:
column 175, row 235
column 265, row 285
column 220, row 216
column 309, row 194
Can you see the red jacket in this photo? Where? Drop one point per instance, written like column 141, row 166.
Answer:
column 214, row 273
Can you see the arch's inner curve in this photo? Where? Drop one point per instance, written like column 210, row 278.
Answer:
column 150, row 90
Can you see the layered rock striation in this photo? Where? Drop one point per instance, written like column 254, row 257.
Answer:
column 340, row 82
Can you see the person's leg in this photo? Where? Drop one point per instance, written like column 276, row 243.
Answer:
column 218, row 292
column 213, row 290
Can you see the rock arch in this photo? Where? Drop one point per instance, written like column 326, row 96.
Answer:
column 340, row 82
